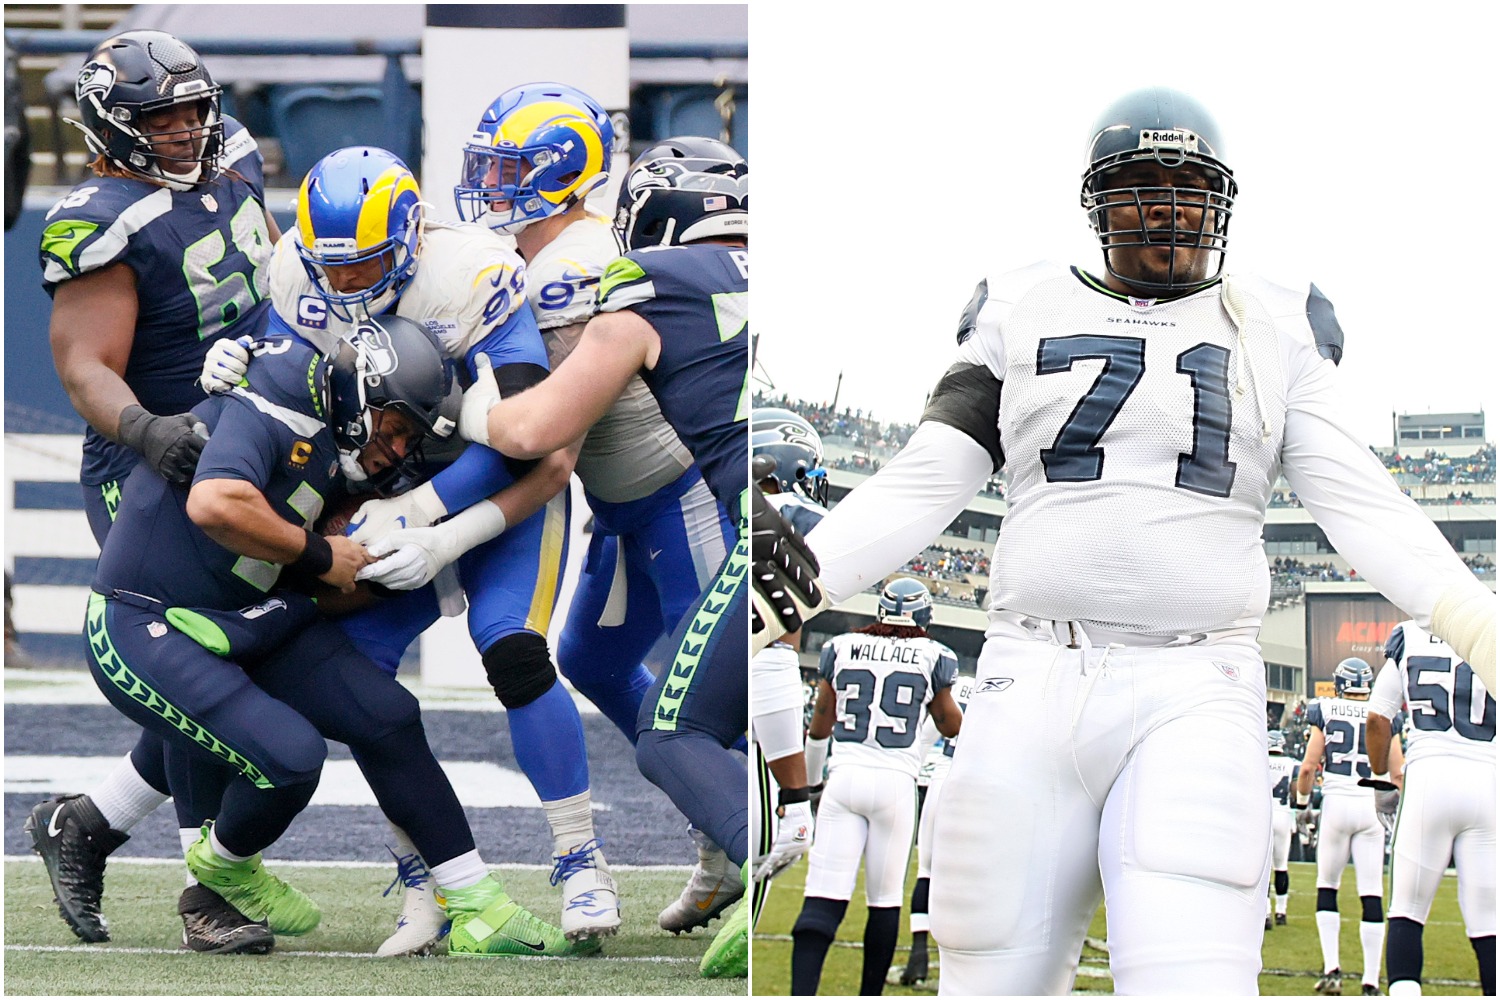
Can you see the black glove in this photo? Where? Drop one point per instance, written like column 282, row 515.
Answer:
column 1379, row 782
column 171, row 445
column 783, row 570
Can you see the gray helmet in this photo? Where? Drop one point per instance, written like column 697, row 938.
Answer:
column 684, row 189
column 904, row 601
column 132, row 74
column 795, row 452
column 1168, row 128
column 391, row 363
column 1353, row 676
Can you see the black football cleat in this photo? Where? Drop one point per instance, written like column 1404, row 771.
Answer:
column 1366, row 990
column 916, row 968
column 212, row 926
column 1331, row 985
column 1268, row 922
column 73, row 839
column 1281, row 920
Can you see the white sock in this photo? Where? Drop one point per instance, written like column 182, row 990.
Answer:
column 124, row 799
column 461, row 872
column 1281, row 904
column 1268, row 906
column 188, row 836
column 1372, row 939
column 1328, row 937
column 1404, row 988
column 572, row 822
column 218, row 847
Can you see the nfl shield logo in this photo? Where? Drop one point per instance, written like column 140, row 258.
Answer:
column 157, row 629
column 209, row 203
column 1228, row 670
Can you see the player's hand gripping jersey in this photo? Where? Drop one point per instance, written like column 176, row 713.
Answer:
column 698, row 300
column 883, row 686
column 1173, row 416
column 1451, row 712
column 214, row 285
column 631, row 452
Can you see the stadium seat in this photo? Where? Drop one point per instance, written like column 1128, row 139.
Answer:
column 312, row 121
column 692, row 110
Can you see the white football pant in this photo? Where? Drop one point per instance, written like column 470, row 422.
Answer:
column 1447, row 805
column 867, row 811
column 1348, row 824
column 925, row 824
column 1068, row 785
column 1281, row 837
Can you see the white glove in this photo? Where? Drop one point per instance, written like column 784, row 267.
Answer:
column 474, row 418
column 411, row 558
column 794, row 835
column 415, row 509
column 225, row 364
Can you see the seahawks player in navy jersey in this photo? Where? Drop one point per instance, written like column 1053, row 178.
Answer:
column 147, row 262
column 259, row 689
column 675, row 310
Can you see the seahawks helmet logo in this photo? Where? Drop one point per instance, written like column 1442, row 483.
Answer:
column 96, row 80
column 374, row 345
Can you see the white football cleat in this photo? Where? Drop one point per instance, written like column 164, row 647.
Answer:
column 590, row 899
column 715, row 885
column 423, row 923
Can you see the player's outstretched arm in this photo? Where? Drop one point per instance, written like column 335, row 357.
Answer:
column 562, row 407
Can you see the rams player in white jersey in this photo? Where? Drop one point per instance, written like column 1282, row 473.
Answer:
column 929, row 786
column 874, row 686
column 1448, row 797
column 468, row 288
column 1143, row 416
column 1283, row 769
column 659, row 535
column 1349, row 824
column 787, row 465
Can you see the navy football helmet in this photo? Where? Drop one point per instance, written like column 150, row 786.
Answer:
column 126, row 78
column 786, row 446
column 904, row 601
column 1167, row 129
column 1353, row 676
column 392, row 364
column 1276, row 741
column 359, row 204
column 681, row 190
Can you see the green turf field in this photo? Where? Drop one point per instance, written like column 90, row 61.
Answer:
column 1291, row 956
column 43, row 957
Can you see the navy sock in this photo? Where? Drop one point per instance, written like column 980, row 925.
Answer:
column 415, row 794
column 881, row 928
column 1484, row 950
column 252, row 819
column 811, row 937
column 1403, row 950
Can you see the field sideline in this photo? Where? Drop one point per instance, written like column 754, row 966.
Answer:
column 1291, row 955
column 43, row 957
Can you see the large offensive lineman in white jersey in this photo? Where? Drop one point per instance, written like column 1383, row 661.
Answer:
column 1448, row 797
column 1349, row 825
column 1143, row 416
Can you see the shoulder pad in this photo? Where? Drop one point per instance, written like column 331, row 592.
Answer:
column 1395, row 645
column 92, row 226
column 1325, row 326
column 970, row 319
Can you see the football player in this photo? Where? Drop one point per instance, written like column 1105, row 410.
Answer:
column 674, row 310
column 875, row 685
column 257, row 690
column 1448, row 797
column 363, row 246
column 659, row 535
column 1283, row 770
column 1336, row 745
column 787, row 465
column 148, row 262
column 929, row 786
column 1143, row 414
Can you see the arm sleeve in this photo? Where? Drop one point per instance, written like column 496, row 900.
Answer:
column 477, row 473
column 944, row 671
column 1382, row 532
column 1387, row 696
column 899, row 510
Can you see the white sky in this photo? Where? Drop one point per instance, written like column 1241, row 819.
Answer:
column 899, row 162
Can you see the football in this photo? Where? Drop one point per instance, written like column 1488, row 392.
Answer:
column 335, row 519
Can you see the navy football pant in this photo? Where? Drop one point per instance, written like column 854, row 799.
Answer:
column 699, row 706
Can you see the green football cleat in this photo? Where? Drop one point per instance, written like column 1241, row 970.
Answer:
column 486, row 921
column 728, row 955
column 249, row 888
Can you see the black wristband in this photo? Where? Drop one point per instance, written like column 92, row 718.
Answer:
column 317, row 558
column 789, row 796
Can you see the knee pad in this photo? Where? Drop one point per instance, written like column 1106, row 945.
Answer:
column 1282, row 881
column 820, row 916
column 519, row 668
column 1369, row 910
column 1328, row 899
